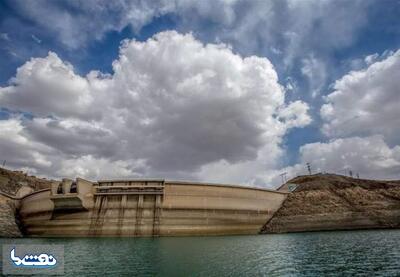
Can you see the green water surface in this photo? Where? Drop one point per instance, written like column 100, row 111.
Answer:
column 351, row 253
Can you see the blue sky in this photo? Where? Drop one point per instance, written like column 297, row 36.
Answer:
column 310, row 45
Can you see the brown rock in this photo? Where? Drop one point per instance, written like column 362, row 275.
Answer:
column 333, row 202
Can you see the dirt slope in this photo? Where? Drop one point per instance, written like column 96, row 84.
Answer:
column 333, row 202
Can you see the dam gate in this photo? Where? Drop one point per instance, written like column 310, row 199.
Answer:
column 132, row 207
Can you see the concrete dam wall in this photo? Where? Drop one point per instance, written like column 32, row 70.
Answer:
column 134, row 208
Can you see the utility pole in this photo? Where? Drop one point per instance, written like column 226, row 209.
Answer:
column 283, row 176
column 309, row 168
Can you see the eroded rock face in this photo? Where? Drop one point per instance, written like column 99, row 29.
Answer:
column 332, row 202
column 8, row 225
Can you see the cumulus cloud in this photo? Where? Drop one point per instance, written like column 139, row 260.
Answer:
column 360, row 118
column 100, row 167
column 17, row 149
column 370, row 157
column 366, row 102
column 295, row 33
column 173, row 107
column 47, row 87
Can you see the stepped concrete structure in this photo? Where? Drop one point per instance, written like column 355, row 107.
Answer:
column 136, row 208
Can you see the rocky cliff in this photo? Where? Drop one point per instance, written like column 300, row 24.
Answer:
column 10, row 183
column 333, row 202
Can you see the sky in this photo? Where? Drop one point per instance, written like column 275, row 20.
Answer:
column 223, row 91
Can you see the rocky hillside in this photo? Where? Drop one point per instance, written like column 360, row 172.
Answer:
column 333, row 202
column 10, row 182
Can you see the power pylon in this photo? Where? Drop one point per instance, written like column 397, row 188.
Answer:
column 283, row 176
column 309, row 168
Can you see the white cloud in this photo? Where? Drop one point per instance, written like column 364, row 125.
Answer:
column 296, row 28
column 102, row 168
column 361, row 118
column 371, row 58
column 48, row 86
column 18, row 150
column 176, row 108
column 293, row 27
column 77, row 22
column 366, row 102
column 296, row 114
column 370, row 157
column 316, row 73
column 173, row 107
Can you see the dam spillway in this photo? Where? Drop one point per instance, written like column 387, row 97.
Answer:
column 145, row 208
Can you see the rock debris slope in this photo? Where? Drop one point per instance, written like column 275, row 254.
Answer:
column 334, row 202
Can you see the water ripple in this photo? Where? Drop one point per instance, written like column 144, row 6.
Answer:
column 352, row 253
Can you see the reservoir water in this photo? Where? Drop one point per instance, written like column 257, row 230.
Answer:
column 350, row 253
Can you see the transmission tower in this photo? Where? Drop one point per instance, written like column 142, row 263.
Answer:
column 309, row 168
column 283, row 176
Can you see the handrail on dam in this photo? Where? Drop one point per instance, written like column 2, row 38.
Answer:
column 131, row 181
column 137, row 189
column 13, row 197
column 130, row 186
column 224, row 185
column 129, row 192
column 163, row 181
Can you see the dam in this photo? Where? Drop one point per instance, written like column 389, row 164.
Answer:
column 145, row 208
